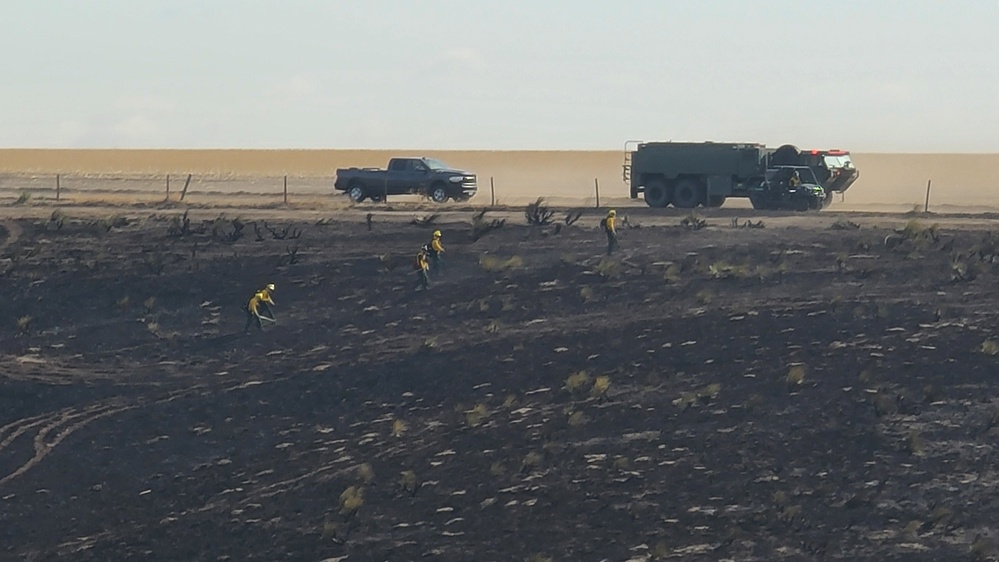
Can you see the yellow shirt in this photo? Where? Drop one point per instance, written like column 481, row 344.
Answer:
column 421, row 262
column 436, row 245
column 610, row 224
column 263, row 295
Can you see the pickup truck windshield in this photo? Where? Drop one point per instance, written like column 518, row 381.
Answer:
column 436, row 164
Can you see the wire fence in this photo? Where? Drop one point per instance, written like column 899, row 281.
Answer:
column 217, row 189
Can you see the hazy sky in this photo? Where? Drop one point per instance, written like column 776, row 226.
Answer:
column 885, row 75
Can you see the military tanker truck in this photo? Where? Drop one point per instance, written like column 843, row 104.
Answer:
column 691, row 174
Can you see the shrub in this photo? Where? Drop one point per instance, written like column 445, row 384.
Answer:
column 538, row 213
column 23, row 198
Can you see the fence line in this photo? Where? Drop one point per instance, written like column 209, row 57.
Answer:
column 151, row 188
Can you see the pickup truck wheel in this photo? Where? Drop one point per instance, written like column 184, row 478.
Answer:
column 356, row 193
column 656, row 194
column 438, row 193
column 687, row 194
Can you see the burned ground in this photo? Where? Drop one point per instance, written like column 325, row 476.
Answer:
column 727, row 392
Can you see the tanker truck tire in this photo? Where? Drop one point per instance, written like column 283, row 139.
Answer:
column 716, row 200
column 656, row 194
column 687, row 194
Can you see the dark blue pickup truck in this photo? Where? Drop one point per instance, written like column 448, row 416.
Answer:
column 424, row 176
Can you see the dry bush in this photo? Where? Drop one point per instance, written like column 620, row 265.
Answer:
column 693, row 222
column 572, row 216
column 425, row 220
column 538, row 213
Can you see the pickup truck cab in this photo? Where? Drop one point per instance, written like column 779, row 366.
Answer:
column 424, row 176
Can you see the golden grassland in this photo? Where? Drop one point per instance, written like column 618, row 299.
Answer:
column 958, row 179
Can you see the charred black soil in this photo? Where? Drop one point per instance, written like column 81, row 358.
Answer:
column 722, row 393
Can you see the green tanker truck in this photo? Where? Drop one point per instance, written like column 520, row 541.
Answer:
column 691, row 174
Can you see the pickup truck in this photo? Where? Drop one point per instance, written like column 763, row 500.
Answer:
column 425, row 176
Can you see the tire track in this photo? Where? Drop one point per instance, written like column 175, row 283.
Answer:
column 59, row 426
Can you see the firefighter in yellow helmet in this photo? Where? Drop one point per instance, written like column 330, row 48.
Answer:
column 795, row 180
column 610, row 227
column 259, row 308
column 421, row 267
column 436, row 249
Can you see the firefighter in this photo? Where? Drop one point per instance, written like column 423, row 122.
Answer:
column 611, row 229
column 436, row 249
column 795, row 180
column 421, row 267
column 259, row 308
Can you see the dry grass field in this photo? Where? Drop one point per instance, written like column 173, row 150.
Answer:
column 896, row 181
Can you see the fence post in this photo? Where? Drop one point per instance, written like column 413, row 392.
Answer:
column 168, row 188
column 187, row 183
column 58, row 187
column 492, row 192
column 926, row 206
column 596, row 187
column 286, row 190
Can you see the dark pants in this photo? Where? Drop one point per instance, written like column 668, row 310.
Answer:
column 422, row 280
column 436, row 264
column 611, row 241
column 251, row 318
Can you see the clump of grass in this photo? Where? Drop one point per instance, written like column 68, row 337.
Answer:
column 693, row 222
column 577, row 419
column 496, row 264
column 709, row 392
column 990, row 347
column 497, row 469
column 916, row 443
column 600, row 387
column 366, row 473
column 704, row 297
column 23, row 198
column 351, row 500
column 408, row 482
column 398, row 428
column 531, row 461
column 476, row 415
column 795, row 376
column 149, row 304
column 575, row 382
column 124, row 302
column 587, row 294
column 24, row 324
column 609, row 268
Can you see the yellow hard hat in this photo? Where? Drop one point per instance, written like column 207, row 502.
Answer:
column 270, row 286
column 437, row 234
column 611, row 213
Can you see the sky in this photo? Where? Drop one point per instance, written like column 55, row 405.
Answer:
column 868, row 76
